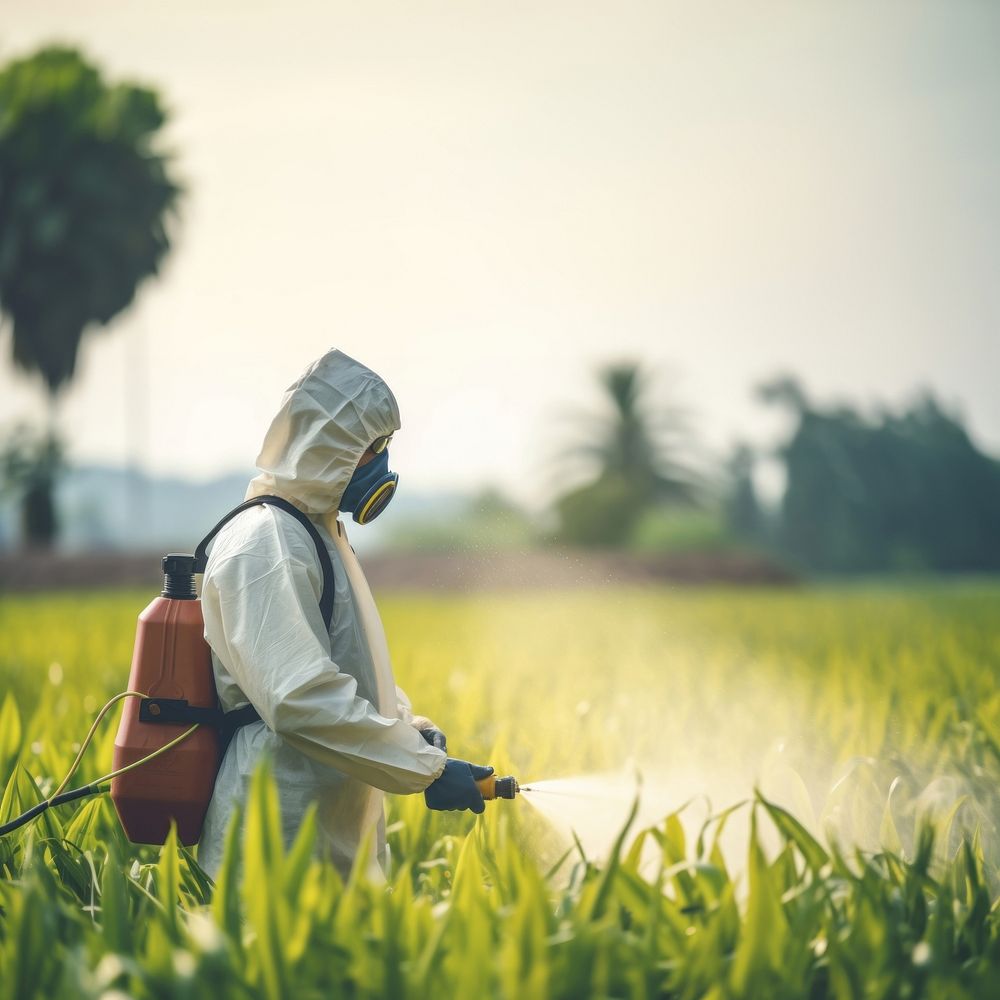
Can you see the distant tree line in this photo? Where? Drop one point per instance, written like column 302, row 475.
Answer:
column 896, row 491
column 904, row 490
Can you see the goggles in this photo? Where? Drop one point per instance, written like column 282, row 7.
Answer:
column 380, row 444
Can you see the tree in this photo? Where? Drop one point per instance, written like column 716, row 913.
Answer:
column 885, row 492
column 29, row 466
column 84, row 204
column 740, row 504
column 632, row 454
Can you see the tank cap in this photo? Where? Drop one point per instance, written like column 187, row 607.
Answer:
column 178, row 576
column 178, row 562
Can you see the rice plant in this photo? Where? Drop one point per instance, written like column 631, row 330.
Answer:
column 822, row 768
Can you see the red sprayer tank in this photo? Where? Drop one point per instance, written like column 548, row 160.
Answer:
column 170, row 660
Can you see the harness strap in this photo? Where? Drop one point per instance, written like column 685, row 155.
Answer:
column 326, row 598
column 177, row 711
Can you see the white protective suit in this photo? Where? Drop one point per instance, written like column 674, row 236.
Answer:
column 337, row 727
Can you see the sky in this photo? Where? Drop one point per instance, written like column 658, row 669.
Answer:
column 485, row 202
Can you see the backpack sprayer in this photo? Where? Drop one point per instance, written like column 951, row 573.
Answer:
column 172, row 726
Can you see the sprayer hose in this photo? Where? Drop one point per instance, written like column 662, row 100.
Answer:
column 56, row 800
column 59, row 797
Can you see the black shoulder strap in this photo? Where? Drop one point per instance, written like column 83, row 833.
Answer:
column 326, row 598
column 229, row 722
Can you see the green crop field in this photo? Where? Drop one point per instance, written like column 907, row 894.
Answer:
column 855, row 731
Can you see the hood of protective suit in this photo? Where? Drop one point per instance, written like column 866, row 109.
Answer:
column 326, row 421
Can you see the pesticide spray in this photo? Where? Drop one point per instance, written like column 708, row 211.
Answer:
column 591, row 809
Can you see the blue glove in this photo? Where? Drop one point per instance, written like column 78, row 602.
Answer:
column 430, row 732
column 456, row 787
column 435, row 737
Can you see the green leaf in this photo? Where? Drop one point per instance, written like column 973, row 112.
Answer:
column 810, row 848
column 168, row 880
column 606, row 879
column 300, row 854
column 10, row 735
column 226, row 900
column 263, row 899
column 765, row 926
column 115, row 920
column 83, row 829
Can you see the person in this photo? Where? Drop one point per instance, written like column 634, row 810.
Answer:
column 337, row 728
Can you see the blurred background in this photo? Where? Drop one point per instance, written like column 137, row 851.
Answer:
column 691, row 292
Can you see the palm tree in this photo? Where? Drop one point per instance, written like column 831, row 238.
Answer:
column 632, row 453
column 637, row 439
column 84, row 203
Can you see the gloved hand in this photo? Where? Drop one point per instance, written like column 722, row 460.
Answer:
column 430, row 732
column 456, row 787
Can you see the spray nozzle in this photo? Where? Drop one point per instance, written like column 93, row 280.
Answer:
column 498, row 788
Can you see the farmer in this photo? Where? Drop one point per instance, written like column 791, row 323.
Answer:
column 338, row 730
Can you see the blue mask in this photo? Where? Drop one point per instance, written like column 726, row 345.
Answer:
column 371, row 488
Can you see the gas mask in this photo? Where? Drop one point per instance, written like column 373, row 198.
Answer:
column 371, row 488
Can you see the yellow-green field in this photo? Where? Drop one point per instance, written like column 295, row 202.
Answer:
column 870, row 714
